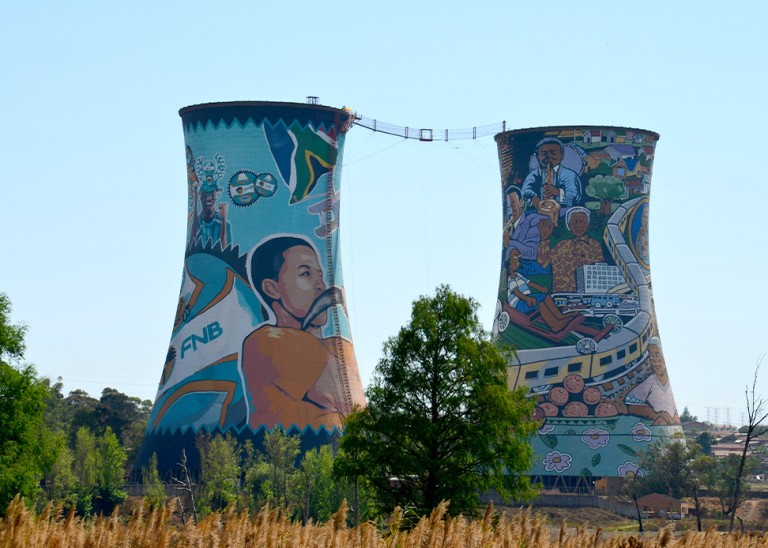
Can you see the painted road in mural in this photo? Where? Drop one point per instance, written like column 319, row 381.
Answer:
column 575, row 296
column 260, row 337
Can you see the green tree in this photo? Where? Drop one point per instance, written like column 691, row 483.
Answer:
column 127, row 416
column 60, row 480
column 257, row 488
column 280, row 452
column 706, row 441
column 82, row 411
column 219, row 471
column 666, row 468
column 702, row 469
column 724, row 485
column 11, row 336
column 26, row 450
column 110, row 472
column 317, row 493
column 687, row 416
column 676, row 469
column 441, row 422
column 85, row 470
column 154, row 489
column 55, row 416
column 99, row 470
column 607, row 189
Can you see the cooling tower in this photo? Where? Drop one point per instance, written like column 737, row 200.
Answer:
column 575, row 298
column 261, row 337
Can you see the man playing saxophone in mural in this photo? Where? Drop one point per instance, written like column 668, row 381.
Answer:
column 289, row 370
column 550, row 180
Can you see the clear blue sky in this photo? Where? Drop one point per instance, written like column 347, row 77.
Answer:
column 94, row 203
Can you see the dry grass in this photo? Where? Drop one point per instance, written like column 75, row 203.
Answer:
column 269, row 528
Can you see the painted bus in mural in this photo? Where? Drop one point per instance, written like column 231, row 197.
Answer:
column 575, row 298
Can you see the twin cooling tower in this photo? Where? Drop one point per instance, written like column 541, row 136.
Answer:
column 261, row 336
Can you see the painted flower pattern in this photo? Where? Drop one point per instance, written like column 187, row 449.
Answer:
column 629, row 469
column 555, row 461
column 640, row 432
column 595, row 438
column 546, row 428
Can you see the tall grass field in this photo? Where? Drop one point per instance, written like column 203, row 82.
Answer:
column 22, row 527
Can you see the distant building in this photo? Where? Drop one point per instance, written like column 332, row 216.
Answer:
column 657, row 504
column 694, row 428
column 725, row 449
column 609, row 486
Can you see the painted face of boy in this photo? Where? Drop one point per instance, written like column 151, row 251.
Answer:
column 299, row 283
column 514, row 260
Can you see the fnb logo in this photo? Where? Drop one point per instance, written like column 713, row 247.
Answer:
column 210, row 332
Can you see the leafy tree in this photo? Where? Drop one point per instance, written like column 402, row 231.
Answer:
column 315, row 490
column 60, row 480
column 666, row 468
column 280, row 453
column 126, row 415
column 687, row 416
column 110, row 472
column 85, row 470
column 361, row 492
column 154, row 489
column 706, row 441
column 607, row 189
column 99, row 470
column 11, row 336
column 55, row 416
column 82, row 411
column 702, row 470
column 219, row 471
column 257, row 487
column 26, row 449
column 724, row 484
column 441, row 422
column 676, row 469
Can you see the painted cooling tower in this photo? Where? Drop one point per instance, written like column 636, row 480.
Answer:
column 261, row 336
column 575, row 298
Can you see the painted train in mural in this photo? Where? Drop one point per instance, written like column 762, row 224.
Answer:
column 261, row 337
column 575, row 297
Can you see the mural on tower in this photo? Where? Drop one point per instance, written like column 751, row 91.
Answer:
column 261, row 337
column 575, row 297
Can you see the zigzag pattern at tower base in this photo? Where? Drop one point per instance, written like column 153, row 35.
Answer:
column 169, row 446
